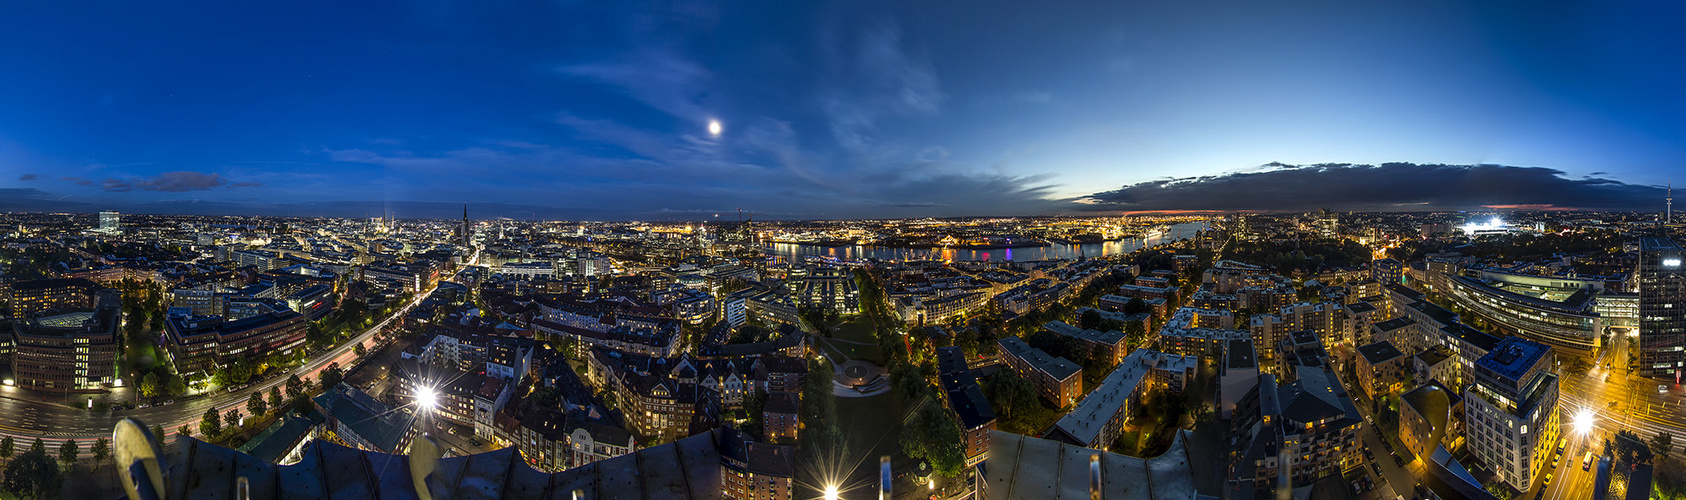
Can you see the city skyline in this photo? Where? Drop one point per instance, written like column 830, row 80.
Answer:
column 808, row 112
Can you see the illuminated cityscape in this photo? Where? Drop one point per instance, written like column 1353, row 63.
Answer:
column 841, row 251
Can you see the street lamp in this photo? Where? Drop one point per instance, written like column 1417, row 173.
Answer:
column 426, row 399
column 830, row 492
column 1583, row 421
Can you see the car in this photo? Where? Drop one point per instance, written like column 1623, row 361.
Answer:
column 1662, row 389
column 1554, row 460
column 1398, row 461
column 1547, row 479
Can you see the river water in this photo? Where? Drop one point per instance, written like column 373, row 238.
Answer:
column 1053, row 251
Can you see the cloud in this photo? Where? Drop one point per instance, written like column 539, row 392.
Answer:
column 78, row 180
column 26, row 177
column 922, row 204
column 1384, row 187
column 169, row 182
column 35, row 200
column 658, row 78
column 883, row 79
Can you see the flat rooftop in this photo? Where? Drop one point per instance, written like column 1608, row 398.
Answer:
column 1024, row 467
column 1512, row 357
column 1379, row 352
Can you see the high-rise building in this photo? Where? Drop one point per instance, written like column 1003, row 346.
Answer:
column 1511, row 411
column 1662, row 308
column 110, row 221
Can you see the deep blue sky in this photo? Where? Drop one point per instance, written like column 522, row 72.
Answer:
column 829, row 109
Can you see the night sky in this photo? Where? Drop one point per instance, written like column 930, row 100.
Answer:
column 603, row 110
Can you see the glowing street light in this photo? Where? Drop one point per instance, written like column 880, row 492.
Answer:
column 1583, row 421
column 830, row 492
column 426, row 399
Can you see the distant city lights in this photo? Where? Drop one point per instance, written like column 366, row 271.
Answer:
column 1490, row 226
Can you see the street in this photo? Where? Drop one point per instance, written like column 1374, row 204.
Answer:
column 25, row 417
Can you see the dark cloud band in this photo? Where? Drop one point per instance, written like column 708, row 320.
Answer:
column 1384, row 187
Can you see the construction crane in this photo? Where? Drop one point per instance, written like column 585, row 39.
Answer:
column 742, row 213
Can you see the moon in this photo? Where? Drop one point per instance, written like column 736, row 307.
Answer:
column 714, row 128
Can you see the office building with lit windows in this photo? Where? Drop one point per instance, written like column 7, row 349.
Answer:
column 110, row 221
column 42, row 297
column 199, row 344
column 73, row 351
column 1511, row 411
column 1662, row 308
column 1557, row 314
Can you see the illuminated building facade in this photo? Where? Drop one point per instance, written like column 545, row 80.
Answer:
column 1662, row 308
column 1569, row 324
column 1511, row 411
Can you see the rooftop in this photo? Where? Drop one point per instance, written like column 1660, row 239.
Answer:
column 1025, row 467
column 687, row 468
column 1379, row 352
column 1239, row 354
column 1084, row 422
column 1657, row 244
column 1513, row 356
column 1059, row 368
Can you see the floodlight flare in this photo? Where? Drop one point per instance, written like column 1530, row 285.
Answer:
column 426, row 398
column 1583, row 421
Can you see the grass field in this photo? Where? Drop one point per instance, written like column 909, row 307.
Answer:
column 872, row 426
column 858, row 329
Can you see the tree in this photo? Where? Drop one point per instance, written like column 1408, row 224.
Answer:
column 822, row 441
column 7, row 448
column 68, row 452
column 101, row 450
column 175, row 387
column 1009, row 392
column 235, row 373
column 332, row 376
column 211, row 425
column 149, row 385
column 1136, row 306
column 1091, row 320
column 38, row 446
column 158, row 433
column 1661, row 445
column 295, row 386
column 275, row 398
column 907, row 380
column 545, row 397
column 33, row 474
column 255, row 405
column 183, row 431
column 1627, row 449
column 232, row 418
column 933, row 435
column 359, row 350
